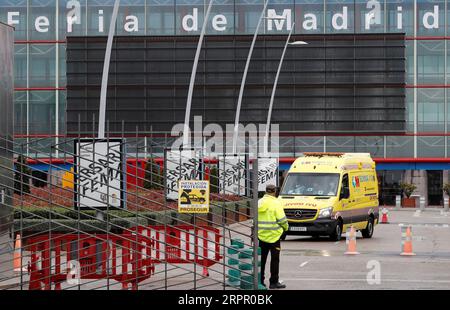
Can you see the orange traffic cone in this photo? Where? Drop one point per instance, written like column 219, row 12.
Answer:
column 407, row 242
column 17, row 262
column 351, row 242
column 205, row 272
column 384, row 218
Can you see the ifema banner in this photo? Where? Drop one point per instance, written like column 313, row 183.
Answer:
column 99, row 167
column 232, row 174
column 181, row 165
column 268, row 168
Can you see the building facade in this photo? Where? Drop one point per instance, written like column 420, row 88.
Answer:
column 6, row 128
column 420, row 154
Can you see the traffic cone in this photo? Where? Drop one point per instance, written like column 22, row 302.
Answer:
column 384, row 217
column 205, row 272
column 407, row 242
column 17, row 262
column 351, row 242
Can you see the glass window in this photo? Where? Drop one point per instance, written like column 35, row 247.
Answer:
column 42, row 20
column 131, row 17
column 372, row 145
column 431, row 146
column 399, row 146
column 221, row 18
column 247, row 15
column 430, row 109
column 430, row 62
column 410, row 109
column 409, row 62
column 339, row 16
column 42, row 65
column 400, row 16
column 42, row 112
column 99, row 17
column 189, row 16
column 369, row 16
column 340, row 144
column 62, row 112
column 14, row 8
column 20, row 65
column 431, row 17
column 72, row 18
column 161, row 18
column 62, row 65
column 281, row 9
column 308, row 144
column 309, row 16
column 20, row 112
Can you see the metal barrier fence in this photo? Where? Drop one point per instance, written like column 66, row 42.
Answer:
column 54, row 235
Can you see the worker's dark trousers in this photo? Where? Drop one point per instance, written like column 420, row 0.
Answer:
column 274, row 249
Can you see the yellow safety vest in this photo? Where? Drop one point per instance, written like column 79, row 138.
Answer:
column 272, row 221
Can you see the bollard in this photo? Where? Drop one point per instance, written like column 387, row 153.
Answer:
column 246, row 269
column 422, row 203
column 234, row 274
column 446, row 204
column 398, row 202
column 407, row 241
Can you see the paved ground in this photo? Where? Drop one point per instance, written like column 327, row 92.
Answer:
column 321, row 264
column 308, row 263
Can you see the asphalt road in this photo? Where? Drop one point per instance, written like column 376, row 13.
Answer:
column 308, row 263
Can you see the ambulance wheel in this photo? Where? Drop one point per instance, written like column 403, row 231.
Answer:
column 368, row 231
column 337, row 233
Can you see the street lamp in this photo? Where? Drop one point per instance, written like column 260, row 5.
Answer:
column 104, row 87
column 192, row 81
column 269, row 115
column 244, row 78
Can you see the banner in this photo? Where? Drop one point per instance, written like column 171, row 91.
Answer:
column 232, row 174
column 181, row 165
column 98, row 167
column 267, row 172
column 193, row 196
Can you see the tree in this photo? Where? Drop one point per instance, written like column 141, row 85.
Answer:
column 153, row 175
column 408, row 189
column 21, row 176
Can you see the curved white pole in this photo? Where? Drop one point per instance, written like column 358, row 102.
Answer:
column 244, row 78
column 104, row 88
column 269, row 115
column 193, row 74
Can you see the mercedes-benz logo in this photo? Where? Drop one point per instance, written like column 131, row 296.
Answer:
column 298, row 213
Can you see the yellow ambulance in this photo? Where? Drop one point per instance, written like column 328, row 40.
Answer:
column 325, row 193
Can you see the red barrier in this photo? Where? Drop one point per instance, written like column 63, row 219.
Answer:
column 98, row 257
column 128, row 258
column 184, row 244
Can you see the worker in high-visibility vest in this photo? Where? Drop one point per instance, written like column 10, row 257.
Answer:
column 272, row 223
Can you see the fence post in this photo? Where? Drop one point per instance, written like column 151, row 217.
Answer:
column 255, row 222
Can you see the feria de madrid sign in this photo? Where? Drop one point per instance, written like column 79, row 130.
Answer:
column 279, row 19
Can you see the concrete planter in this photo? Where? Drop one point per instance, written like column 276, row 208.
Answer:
column 408, row 202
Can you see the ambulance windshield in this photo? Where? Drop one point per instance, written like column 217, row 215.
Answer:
column 311, row 184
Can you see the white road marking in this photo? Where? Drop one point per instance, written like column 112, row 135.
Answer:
column 303, row 264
